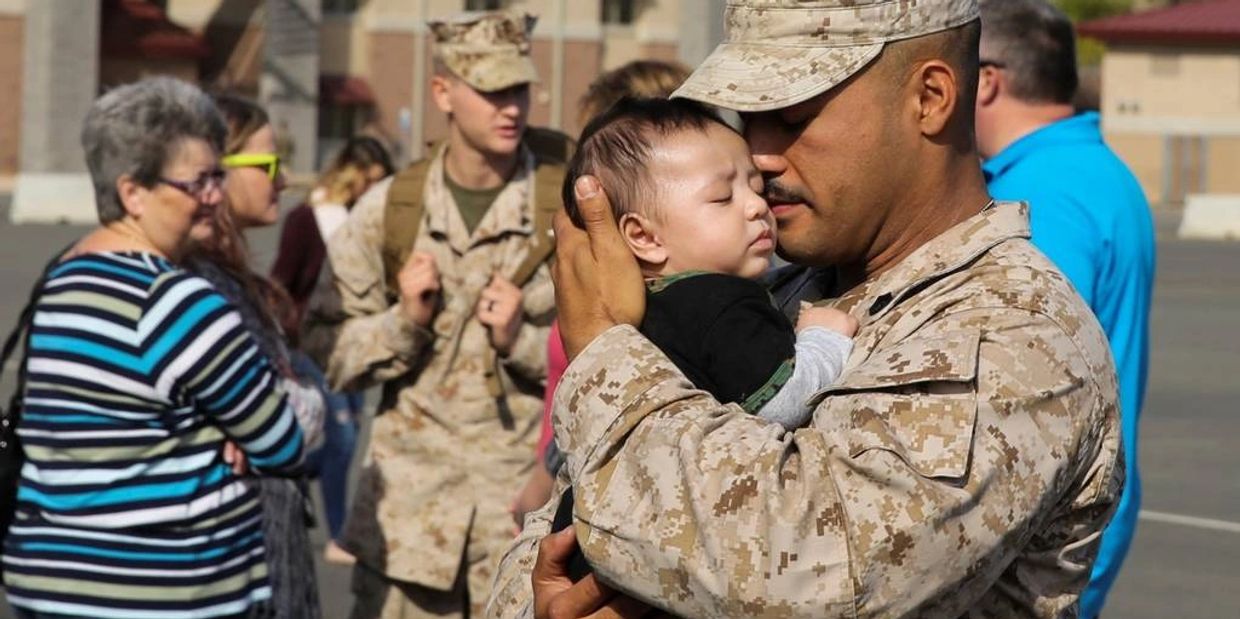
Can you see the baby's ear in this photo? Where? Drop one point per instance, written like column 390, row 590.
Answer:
column 643, row 239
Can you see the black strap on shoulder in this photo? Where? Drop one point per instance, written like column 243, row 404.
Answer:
column 23, row 327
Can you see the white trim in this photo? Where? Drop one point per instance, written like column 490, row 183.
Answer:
column 1170, row 125
column 53, row 198
column 1209, row 524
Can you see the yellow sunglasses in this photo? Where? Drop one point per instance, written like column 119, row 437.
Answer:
column 269, row 161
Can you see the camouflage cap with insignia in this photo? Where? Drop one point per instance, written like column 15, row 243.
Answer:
column 778, row 53
column 488, row 50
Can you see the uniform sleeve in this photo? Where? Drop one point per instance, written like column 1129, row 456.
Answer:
column 528, row 358
column 911, row 490
column 351, row 330
column 219, row 368
column 511, row 593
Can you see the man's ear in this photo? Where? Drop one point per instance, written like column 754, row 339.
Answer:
column 440, row 85
column 938, row 90
column 988, row 86
column 642, row 239
column 133, row 195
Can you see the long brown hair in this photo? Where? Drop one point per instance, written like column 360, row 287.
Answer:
column 227, row 247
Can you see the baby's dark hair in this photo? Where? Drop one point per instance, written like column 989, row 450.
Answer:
column 616, row 146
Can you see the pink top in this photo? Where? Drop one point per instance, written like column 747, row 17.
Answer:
column 557, row 362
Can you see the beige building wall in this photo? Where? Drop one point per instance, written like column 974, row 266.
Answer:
column 1144, row 156
column 1152, row 87
column 1159, row 102
column 1223, row 159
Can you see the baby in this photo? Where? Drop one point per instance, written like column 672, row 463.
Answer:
column 688, row 201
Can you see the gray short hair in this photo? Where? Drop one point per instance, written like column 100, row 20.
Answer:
column 1036, row 45
column 135, row 129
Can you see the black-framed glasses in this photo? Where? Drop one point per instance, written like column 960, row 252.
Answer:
column 197, row 188
column 991, row 63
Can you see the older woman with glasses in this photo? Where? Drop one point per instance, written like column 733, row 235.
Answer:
column 138, row 373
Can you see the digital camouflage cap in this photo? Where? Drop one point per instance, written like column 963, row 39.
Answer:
column 488, row 50
column 778, row 53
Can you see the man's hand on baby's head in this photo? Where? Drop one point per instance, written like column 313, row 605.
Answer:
column 826, row 317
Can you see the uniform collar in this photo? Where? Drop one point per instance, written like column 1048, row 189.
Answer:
column 1083, row 127
column 947, row 253
column 510, row 213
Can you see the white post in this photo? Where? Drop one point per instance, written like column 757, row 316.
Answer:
column 60, row 79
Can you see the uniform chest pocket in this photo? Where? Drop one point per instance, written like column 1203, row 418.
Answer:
column 916, row 400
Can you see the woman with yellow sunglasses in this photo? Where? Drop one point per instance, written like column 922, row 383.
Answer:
column 252, row 191
column 255, row 179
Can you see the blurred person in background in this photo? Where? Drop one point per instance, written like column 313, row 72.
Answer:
column 299, row 261
column 1087, row 212
column 145, row 392
column 438, row 289
column 252, row 193
column 638, row 79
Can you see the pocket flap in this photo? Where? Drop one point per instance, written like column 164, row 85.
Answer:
column 932, row 433
column 949, row 358
column 913, row 400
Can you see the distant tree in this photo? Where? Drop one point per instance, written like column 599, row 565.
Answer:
column 1089, row 51
column 1082, row 10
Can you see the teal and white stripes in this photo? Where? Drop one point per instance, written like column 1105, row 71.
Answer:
column 138, row 372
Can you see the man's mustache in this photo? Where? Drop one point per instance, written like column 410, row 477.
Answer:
column 779, row 193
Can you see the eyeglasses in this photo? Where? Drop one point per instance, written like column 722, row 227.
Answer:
column 268, row 161
column 198, row 188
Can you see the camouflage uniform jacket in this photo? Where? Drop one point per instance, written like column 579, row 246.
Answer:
column 963, row 465
column 444, row 456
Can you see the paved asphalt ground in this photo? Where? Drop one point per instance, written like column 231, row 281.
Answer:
column 1185, row 563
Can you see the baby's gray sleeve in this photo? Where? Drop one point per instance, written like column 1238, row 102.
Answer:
column 820, row 357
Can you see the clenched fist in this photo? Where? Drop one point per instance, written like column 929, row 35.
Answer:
column 826, row 317
column 499, row 308
column 419, row 288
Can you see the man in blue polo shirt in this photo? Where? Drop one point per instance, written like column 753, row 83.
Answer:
column 1087, row 212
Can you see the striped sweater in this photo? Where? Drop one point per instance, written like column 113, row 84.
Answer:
column 138, row 372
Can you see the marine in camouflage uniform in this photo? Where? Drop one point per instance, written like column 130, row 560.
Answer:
column 429, row 520
column 964, row 465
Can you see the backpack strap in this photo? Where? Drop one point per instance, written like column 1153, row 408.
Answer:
column 405, row 210
column 552, row 151
column 10, row 415
column 402, row 218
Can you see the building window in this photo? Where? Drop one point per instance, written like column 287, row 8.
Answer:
column 618, row 12
column 484, row 5
column 339, row 6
